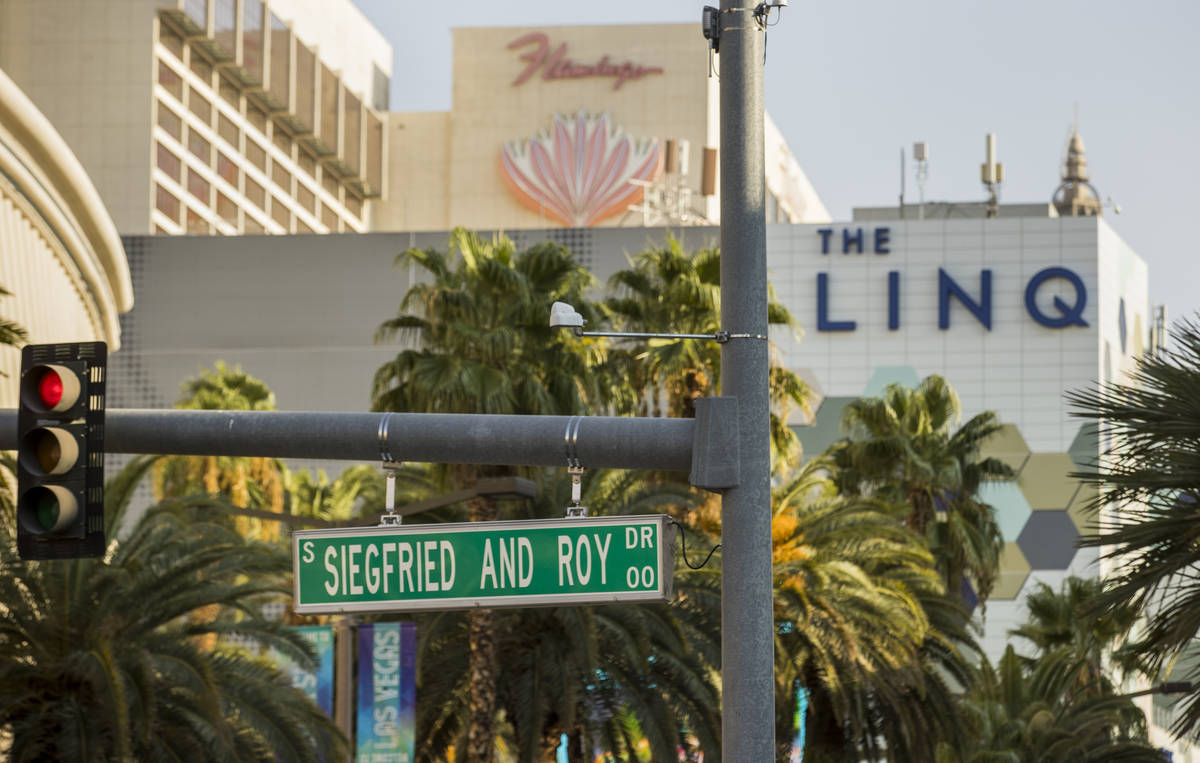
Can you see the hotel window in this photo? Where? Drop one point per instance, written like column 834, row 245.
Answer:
column 197, row 186
column 352, row 114
column 282, row 177
column 197, row 12
column 253, row 226
column 379, row 89
column 198, row 146
column 170, row 80
column 354, row 205
column 201, row 68
column 166, row 202
column 230, row 94
column 228, row 130
column 306, row 198
column 197, row 224
column 170, row 40
column 225, row 20
column 170, row 121
column 279, row 212
column 329, row 108
column 226, row 209
column 227, row 169
column 199, row 106
column 257, row 117
column 255, row 193
column 306, row 73
column 252, row 38
column 374, row 169
column 168, row 162
column 256, row 154
column 307, row 163
column 329, row 183
column 329, row 218
column 281, row 61
column 302, row 227
column 282, row 141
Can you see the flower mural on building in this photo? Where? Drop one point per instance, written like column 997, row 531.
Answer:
column 581, row 169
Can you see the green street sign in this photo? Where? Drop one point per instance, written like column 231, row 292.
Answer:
column 539, row 562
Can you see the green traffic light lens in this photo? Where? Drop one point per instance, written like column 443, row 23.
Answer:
column 47, row 511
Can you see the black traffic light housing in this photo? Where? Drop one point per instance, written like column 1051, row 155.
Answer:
column 60, row 451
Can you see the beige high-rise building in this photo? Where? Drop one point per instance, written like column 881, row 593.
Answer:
column 576, row 126
column 211, row 116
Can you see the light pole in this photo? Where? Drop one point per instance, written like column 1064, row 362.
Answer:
column 747, row 615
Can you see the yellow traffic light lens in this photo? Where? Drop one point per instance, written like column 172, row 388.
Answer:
column 49, row 451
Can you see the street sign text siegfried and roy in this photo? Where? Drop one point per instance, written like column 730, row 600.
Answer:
column 593, row 560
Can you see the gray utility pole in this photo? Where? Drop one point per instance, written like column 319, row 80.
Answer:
column 747, row 614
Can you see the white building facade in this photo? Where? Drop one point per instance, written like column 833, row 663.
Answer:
column 1013, row 312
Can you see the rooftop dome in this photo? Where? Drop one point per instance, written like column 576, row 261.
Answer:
column 1075, row 196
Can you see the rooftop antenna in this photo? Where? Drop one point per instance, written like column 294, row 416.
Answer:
column 921, row 154
column 992, row 173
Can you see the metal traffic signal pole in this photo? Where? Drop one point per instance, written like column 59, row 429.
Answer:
column 747, row 620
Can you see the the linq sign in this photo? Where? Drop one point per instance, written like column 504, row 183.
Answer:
column 978, row 302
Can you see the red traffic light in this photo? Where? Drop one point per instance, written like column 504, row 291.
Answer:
column 50, row 388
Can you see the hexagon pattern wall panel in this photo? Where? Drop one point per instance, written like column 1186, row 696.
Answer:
column 1007, row 445
column 1048, row 540
column 826, row 428
column 1041, row 513
column 1086, row 445
column 1012, row 510
column 1014, row 571
column 1045, row 483
column 885, row 375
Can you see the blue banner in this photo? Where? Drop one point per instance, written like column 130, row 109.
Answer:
column 318, row 683
column 799, row 720
column 387, row 692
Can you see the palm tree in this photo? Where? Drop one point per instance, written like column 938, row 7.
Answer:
column 99, row 659
column 608, row 677
column 1063, row 620
column 477, row 340
column 356, row 490
column 1035, row 711
column 253, row 483
column 12, row 334
column 1148, row 501
column 843, row 567
column 666, row 290
column 902, row 447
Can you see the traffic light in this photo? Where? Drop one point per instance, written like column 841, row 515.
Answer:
column 60, row 451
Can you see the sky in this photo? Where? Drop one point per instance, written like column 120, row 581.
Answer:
column 851, row 83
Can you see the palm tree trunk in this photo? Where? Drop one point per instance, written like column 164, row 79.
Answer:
column 481, row 630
